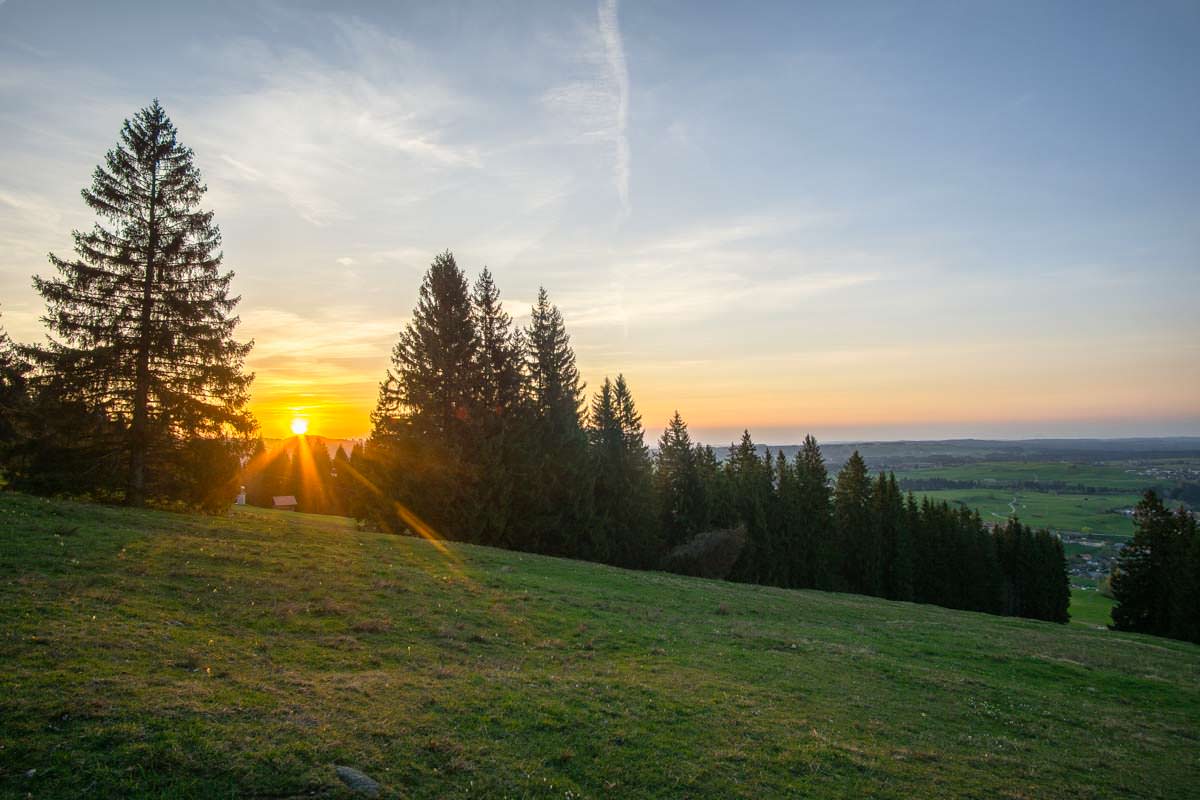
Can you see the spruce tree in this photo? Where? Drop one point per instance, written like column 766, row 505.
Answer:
column 678, row 485
column 1057, row 583
column 626, row 531
column 556, row 506
column 498, row 420
column 143, row 313
column 815, row 532
column 1141, row 579
column 1185, row 579
column 749, row 478
column 423, row 421
column 432, row 379
column 500, row 351
column 343, row 482
column 1034, row 568
column 554, row 385
column 915, row 532
column 899, row 575
column 14, row 396
column 715, row 489
column 606, row 443
column 788, row 525
column 358, row 492
column 857, row 533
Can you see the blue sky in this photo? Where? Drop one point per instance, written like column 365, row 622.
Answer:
column 864, row 221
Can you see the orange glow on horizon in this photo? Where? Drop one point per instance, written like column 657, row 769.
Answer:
column 909, row 393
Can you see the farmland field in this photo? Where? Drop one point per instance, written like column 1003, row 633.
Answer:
column 1085, row 513
column 146, row 654
column 1089, row 607
column 1104, row 476
column 1080, row 496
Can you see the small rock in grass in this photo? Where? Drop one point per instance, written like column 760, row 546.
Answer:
column 358, row 782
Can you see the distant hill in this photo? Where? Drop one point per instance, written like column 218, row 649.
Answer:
column 147, row 654
column 915, row 454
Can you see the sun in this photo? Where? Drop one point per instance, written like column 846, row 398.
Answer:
column 299, row 426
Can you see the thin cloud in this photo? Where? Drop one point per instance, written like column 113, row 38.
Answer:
column 614, row 48
column 591, row 108
column 315, row 128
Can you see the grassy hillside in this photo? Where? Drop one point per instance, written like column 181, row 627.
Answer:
column 1089, row 607
column 146, row 654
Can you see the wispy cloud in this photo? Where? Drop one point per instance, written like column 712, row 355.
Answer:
column 317, row 128
column 614, row 48
column 592, row 108
column 707, row 272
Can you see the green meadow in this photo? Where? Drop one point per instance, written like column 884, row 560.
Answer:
column 1089, row 607
column 1079, row 512
column 153, row 655
column 1101, row 476
column 1083, row 513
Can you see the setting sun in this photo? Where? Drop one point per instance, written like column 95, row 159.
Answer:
column 299, row 426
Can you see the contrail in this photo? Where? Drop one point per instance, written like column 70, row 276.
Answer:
column 610, row 30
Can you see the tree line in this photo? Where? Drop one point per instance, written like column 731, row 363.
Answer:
column 482, row 431
column 299, row 467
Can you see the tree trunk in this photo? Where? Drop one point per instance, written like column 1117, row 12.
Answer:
column 135, row 491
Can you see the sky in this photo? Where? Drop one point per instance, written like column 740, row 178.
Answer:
column 859, row 220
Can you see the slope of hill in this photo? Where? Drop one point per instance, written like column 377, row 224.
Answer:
column 145, row 654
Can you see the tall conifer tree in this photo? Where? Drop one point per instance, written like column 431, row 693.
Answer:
column 500, row 351
column 750, row 481
column 557, row 509
column 858, row 535
column 554, row 384
column 13, row 392
column 678, row 484
column 143, row 313
column 1141, row 580
column 423, row 419
column 432, row 379
column 715, row 489
column 816, row 517
column 625, row 525
column 498, row 420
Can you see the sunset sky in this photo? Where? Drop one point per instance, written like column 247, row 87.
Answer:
column 939, row 220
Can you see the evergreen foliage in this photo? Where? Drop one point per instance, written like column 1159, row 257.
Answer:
column 859, row 541
column 749, row 482
column 624, row 529
column 145, row 360
column 682, row 508
column 480, row 435
column 1156, row 580
column 14, row 395
column 497, row 424
column 814, row 565
column 430, row 386
column 557, row 503
column 423, row 419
